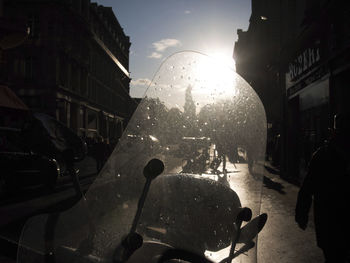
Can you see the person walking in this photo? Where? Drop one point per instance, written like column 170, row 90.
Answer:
column 101, row 152
column 327, row 185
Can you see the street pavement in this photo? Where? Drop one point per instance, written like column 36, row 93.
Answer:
column 282, row 240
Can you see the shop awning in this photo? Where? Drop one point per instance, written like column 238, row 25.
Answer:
column 8, row 99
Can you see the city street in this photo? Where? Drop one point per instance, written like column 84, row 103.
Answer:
column 280, row 240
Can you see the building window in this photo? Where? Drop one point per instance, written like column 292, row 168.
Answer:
column 63, row 72
column 92, row 120
column 33, row 27
column 17, row 67
column 30, row 68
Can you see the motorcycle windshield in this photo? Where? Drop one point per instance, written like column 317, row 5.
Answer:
column 208, row 127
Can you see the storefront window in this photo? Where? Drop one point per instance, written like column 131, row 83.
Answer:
column 314, row 95
column 314, row 112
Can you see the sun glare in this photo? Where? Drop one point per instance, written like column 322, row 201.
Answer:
column 224, row 59
column 217, row 75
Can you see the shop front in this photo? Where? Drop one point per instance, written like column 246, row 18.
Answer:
column 308, row 125
column 307, row 110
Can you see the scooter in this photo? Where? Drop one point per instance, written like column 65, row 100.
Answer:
column 143, row 207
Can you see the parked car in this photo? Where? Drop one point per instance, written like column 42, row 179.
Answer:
column 20, row 166
column 46, row 136
column 62, row 137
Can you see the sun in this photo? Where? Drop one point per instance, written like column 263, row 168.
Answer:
column 223, row 59
column 217, row 75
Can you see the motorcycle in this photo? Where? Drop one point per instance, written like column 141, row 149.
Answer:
column 156, row 198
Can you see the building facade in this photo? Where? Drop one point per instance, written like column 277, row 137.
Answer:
column 309, row 65
column 256, row 53
column 74, row 64
column 317, row 76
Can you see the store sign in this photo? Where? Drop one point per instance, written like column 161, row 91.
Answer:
column 316, row 75
column 305, row 61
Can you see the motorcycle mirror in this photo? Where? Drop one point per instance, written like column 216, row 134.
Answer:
column 245, row 214
column 153, row 168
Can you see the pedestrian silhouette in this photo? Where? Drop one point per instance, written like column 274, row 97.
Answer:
column 327, row 184
column 100, row 152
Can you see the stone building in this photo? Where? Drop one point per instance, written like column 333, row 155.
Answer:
column 257, row 53
column 74, row 64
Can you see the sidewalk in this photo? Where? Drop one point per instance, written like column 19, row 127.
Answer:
column 282, row 240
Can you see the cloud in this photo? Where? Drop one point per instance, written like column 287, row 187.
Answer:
column 163, row 44
column 140, row 82
column 155, row 55
column 187, row 12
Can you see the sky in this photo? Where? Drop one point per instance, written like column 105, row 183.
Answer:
column 159, row 28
